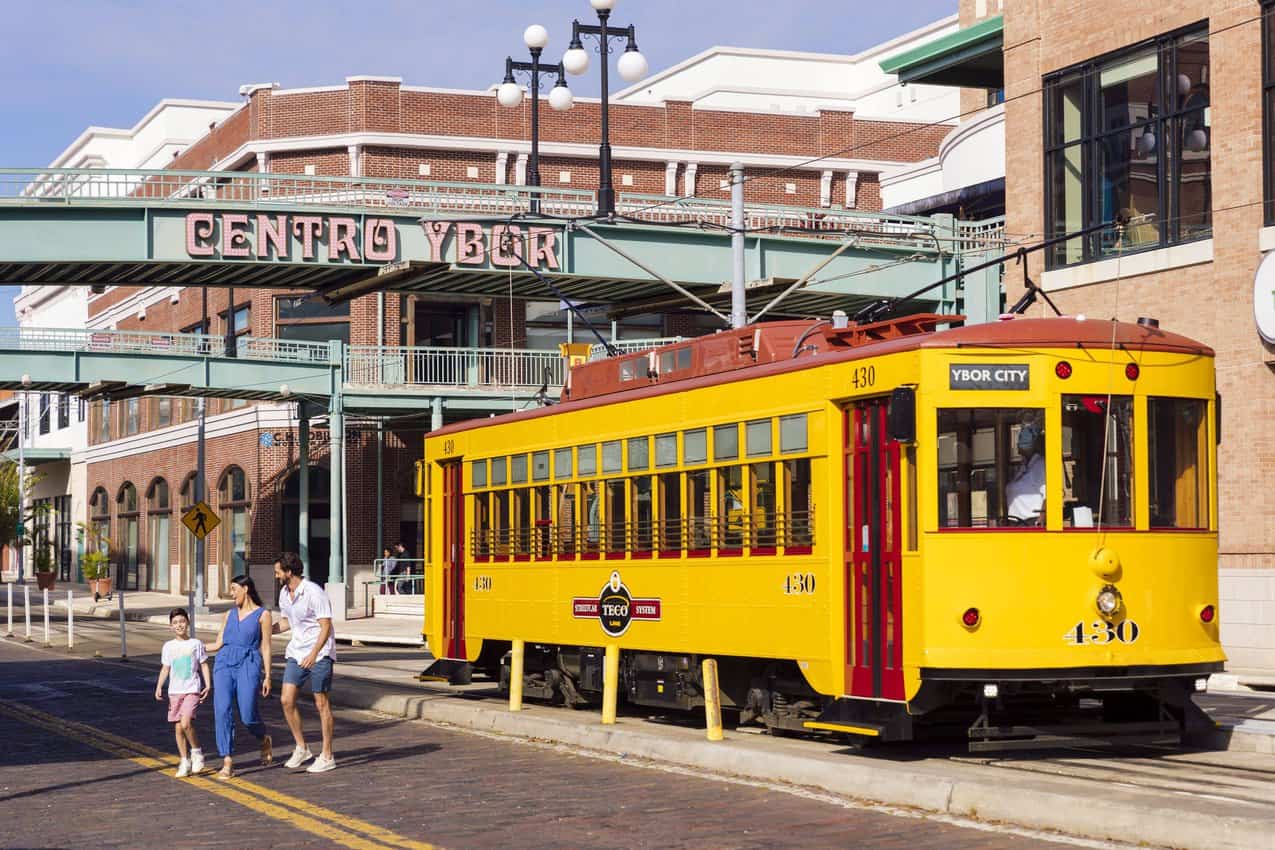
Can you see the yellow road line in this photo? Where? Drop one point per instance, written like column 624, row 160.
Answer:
column 305, row 818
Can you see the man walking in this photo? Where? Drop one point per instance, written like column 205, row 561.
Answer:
column 304, row 608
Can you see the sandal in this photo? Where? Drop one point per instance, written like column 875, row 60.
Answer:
column 267, row 751
column 225, row 772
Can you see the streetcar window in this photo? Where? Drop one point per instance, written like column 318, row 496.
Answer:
column 562, row 463
column 762, row 508
column 500, row 522
column 684, row 358
column 591, row 514
column 798, row 525
column 991, row 467
column 616, row 516
column 757, row 437
column 543, row 522
column 1097, row 444
column 639, row 453
column 478, row 473
column 666, row 450
column 566, row 527
column 670, row 522
column 912, row 519
column 612, row 456
column 731, row 507
column 629, row 368
column 1177, row 449
column 522, row 522
column 587, row 460
column 540, row 466
column 792, row 433
column 498, row 470
column 518, row 469
column 725, row 442
column 700, row 526
column 695, row 446
column 482, row 525
column 642, row 513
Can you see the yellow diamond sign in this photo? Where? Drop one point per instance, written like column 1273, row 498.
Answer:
column 201, row 520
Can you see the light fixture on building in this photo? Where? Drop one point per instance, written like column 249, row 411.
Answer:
column 1146, row 143
column 509, row 94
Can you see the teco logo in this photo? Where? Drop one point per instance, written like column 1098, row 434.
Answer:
column 615, row 608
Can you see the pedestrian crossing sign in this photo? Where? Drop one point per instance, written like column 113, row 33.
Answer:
column 201, row 520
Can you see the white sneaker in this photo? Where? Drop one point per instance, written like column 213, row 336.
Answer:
column 183, row 769
column 321, row 765
column 197, row 761
column 299, row 756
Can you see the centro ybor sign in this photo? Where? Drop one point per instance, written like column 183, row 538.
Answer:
column 346, row 239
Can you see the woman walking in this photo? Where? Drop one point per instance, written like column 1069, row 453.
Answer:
column 242, row 671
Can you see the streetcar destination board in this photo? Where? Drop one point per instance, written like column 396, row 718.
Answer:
column 989, row 376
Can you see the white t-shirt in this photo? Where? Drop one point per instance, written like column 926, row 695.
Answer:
column 183, row 658
column 304, row 609
column 1026, row 490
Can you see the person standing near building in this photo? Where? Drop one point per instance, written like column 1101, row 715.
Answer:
column 304, row 608
column 182, row 660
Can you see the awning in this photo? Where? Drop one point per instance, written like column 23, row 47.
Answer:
column 970, row 57
column 35, row 457
column 980, row 200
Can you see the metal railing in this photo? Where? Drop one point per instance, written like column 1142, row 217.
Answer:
column 270, row 191
column 629, row 346
column 151, row 342
column 985, row 235
column 454, row 367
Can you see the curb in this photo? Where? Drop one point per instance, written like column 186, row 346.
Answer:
column 1100, row 813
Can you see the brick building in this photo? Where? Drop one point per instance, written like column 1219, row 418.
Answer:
column 1153, row 118
column 670, row 138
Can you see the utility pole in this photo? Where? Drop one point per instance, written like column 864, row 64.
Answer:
column 201, row 552
column 22, row 477
column 738, row 294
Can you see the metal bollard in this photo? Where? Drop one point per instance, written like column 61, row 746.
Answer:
column 712, row 700
column 190, row 610
column 610, row 683
column 47, row 642
column 515, row 676
column 123, row 637
column 70, row 621
column 10, row 632
column 26, row 609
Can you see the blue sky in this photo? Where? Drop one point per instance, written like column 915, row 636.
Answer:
column 69, row 64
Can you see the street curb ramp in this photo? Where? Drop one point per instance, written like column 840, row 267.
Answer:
column 1079, row 807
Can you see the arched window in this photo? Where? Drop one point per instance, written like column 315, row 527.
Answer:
column 158, row 511
column 100, row 505
column 100, row 521
column 232, row 499
column 127, row 542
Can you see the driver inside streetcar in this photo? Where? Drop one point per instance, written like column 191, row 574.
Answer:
column 1025, row 492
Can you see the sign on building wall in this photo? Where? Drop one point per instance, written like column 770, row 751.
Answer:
column 328, row 239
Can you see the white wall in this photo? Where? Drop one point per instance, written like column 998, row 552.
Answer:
column 1246, row 612
column 972, row 153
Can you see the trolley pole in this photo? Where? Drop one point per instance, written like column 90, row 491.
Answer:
column 123, row 636
column 26, row 610
column 70, row 621
column 46, row 618
column 738, row 295
column 9, row 633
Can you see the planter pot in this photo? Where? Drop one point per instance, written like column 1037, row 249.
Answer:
column 100, row 587
column 44, row 581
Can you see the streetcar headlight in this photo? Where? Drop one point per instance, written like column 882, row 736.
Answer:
column 1201, row 684
column 1109, row 601
column 991, row 691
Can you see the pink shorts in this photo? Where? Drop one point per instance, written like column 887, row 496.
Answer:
column 182, row 705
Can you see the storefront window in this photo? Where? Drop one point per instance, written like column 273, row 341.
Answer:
column 991, row 468
column 1177, row 451
column 1127, row 144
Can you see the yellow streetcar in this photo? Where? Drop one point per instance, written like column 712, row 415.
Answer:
column 874, row 529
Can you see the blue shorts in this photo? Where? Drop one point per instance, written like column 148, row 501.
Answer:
column 319, row 676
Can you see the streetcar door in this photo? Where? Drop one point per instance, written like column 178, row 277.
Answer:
column 873, row 563
column 453, row 556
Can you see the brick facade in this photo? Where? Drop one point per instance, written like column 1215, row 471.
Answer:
column 1211, row 300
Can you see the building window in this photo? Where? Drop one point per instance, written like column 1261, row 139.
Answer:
column 104, row 421
column 1127, row 145
column 64, row 411
column 233, row 499
column 44, row 413
column 1268, row 107
column 306, row 319
column 243, row 320
column 163, row 412
column 132, row 415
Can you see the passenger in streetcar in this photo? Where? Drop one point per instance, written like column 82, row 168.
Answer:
column 1026, row 490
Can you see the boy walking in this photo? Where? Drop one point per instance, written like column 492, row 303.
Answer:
column 304, row 608
column 185, row 692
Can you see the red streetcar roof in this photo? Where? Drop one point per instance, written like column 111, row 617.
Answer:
column 768, row 348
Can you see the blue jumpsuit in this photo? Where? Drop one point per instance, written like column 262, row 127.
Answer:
column 237, row 678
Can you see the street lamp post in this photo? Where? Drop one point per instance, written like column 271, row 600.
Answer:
column 632, row 67
column 510, row 94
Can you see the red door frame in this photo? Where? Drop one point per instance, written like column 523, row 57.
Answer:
column 453, row 555
column 873, row 546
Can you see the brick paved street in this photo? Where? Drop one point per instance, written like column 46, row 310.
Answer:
column 404, row 782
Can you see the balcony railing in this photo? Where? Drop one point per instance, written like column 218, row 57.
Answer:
column 454, row 367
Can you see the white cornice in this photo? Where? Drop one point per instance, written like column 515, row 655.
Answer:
column 580, row 150
column 128, row 308
column 117, row 133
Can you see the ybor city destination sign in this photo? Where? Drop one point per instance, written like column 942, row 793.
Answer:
column 367, row 239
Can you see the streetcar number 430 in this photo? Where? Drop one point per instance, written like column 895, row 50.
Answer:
column 1099, row 633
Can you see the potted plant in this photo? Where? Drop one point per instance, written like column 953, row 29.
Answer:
column 96, row 568
column 42, row 560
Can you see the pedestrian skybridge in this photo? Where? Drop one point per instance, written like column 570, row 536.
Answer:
column 346, row 236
